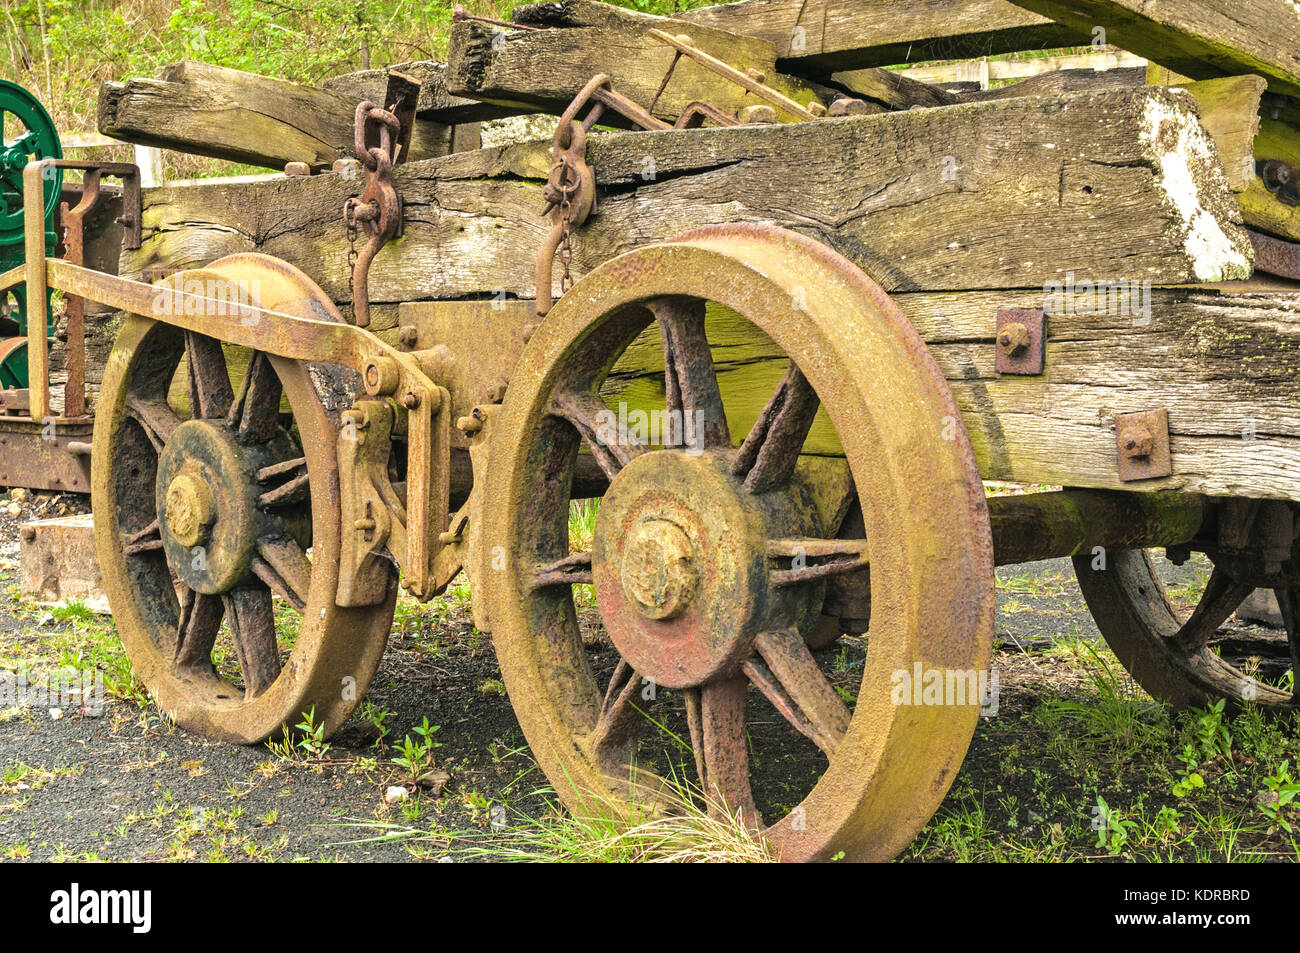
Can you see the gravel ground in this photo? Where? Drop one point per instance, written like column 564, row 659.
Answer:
column 128, row 786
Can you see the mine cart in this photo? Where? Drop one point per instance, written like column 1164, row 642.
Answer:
column 782, row 310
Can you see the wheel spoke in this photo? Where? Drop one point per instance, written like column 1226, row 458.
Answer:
column 282, row 565
column 792, row 681
column 146, row 541
column 252, row 629
column 573, row 569
column 155, row 418
column 210, row 393
column 597, row 424
column 815, row 559
column 200, row 620
column 768, row 456
column 1222, row 597
column 722, row 755
column 620, row 720
column 696, row 414
column 255, row 415
column 292, row 490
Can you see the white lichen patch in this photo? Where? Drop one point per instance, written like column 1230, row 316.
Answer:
column 1185, row 164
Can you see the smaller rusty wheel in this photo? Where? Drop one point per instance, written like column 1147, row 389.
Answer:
column 711, row 556
column 217, row 522
column 1187, row 658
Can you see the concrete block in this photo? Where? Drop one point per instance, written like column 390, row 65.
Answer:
column 57, row 562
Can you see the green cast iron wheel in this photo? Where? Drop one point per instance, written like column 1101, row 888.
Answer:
column 28, row 130
column 690, row 566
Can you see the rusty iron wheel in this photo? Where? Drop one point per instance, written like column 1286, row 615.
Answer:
column 1180, row 658
column 215, row 515
column 691, row 561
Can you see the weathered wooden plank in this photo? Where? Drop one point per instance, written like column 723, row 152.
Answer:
column 542, row 70
column 1200, row 39
column 1114, row 184
column 893, row 89
column 1062, row 81
column 820, row 36
column 242, row 117
column 435, row 103
column 1221, row 364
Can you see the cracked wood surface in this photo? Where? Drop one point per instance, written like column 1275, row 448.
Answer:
column 1114, row 184
column 819, row 36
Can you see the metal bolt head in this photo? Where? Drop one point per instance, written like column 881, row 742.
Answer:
column 657, row 571
column 408, row 336
column 349, row 167
column 1014, row 339
column 189, row 510
column 848, row 106
column 410, row 400
column 1136, row 440
column 757, row 115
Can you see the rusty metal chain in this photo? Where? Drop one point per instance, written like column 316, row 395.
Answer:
column 378, row 209
column 570, row 194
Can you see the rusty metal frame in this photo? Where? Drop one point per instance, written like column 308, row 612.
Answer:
column 386, row 371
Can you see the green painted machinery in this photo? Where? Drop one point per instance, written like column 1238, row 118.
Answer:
column 28, row 131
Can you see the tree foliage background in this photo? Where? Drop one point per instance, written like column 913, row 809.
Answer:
column 62, row 50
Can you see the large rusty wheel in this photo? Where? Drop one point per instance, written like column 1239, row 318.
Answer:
column 692, row 557
column 1184, row 658
column 217, row 528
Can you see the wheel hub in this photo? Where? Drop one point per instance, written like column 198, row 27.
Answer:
column 679, row 562
column 206, row 501
column 658, row 569
column 189, row 510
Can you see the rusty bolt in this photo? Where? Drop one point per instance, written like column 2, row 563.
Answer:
column 381, row 375
column 296, row 170
column 758, row 115
column 449, row 537
column 28, row 532
column 1014, row 339
column 408, row 336
column 365, row 524
column 410, row 400
column 348, row 168
column 1136, row 440
column 469, row 425
column 848, row 106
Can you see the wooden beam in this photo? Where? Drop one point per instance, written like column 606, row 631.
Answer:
column 542, row 70
column 1234, row 419
column 241, row 117
column 815, row 37
column 1200, row 39
column 435, row 104
column 1109, row 185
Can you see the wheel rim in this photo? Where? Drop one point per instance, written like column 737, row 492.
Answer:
column 927, row 537
column 200, row 520
column 1171, row 654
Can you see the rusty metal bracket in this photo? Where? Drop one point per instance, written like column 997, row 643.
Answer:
column 1142, row 441
column 1275, row 256
column 1021, row 341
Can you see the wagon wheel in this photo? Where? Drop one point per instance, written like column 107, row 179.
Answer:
column 690, row 558
column 217, row 530
column 1171, row 654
